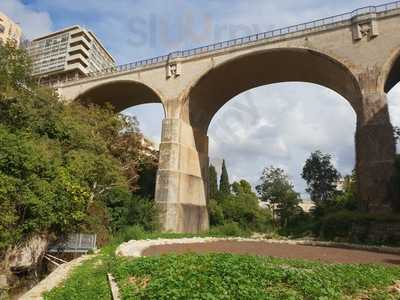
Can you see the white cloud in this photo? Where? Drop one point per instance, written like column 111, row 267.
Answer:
column 300, row 118
column 394, row 107
column 33, row 23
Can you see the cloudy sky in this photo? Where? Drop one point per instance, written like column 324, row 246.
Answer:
column 276, row 125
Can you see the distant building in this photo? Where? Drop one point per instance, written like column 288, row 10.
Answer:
column 9, row 30
column 148, row 145
column 72, row 52
column 307, row 205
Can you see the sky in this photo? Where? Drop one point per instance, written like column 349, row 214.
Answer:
column 279, row 124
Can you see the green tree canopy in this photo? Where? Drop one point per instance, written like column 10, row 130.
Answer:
column 241, row 208
column 276, row 189
column 212, row 182
column 224, row 186
column 242, row 187
column 321, row 177
column 56, row 160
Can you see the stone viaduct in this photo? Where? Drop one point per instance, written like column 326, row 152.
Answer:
column 356, row 54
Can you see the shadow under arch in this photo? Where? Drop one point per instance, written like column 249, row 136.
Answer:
column 222, row 83
column 390, row 75
column 121, row 94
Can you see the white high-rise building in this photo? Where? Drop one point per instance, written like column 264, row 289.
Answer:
column 70, row 53
column 9, row 30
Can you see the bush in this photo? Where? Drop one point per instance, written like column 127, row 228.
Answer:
column 340, row 225
column 215, row 213
column 143, row 212
column 396, row 182
column 299, row 225
column 128, row 233
column 243, row 210
column 229, row 229
column 126, row 209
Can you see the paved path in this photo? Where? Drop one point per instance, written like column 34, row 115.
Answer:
column 282, row 250
column 53, row 279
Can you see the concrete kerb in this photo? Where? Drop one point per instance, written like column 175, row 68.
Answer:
column 135, row 248
column 54, row 279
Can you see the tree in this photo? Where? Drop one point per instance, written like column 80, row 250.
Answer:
column 396, row 180
column 212, row 183
column 240, row 208
column 321, row 177
column 396, row 132
column 276, row 189
column 57, row 161
column 224, row 186
column 242, row 187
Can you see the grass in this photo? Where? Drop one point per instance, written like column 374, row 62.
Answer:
column 228, row 276
column 223, row 276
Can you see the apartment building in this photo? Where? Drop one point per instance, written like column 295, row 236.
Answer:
column 9, row 30
column 67, row 54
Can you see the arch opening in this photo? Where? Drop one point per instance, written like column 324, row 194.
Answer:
column 391, row 75
column 135, row 99
column 295, row 119
column 394, row 108
column 222, row 83
column 120, row 94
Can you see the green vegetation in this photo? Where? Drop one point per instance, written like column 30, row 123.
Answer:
column 235, row 208
column 223, row 276
column 212, row 183
column 339, row 226
column 224, row 186
column 64, row 168
column 396, row 180
column 321, row 177
column 277, row 190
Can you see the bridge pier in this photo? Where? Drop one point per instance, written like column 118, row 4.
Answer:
column 181, row 192
column 375, row 166
column 375, row 156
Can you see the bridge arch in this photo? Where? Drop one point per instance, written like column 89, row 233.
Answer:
column 186, row 210
column 122, row 94
column 390, row 74
column 223, row 82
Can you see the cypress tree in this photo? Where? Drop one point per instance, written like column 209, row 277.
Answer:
column 224, row 186
column 212, row 182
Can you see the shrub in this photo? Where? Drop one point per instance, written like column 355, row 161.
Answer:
column 340, row 224
column 299, row 225
column 215, row 212
column 126, row 209
column 229, row 229
column 128, row 233
column 242, row 209
column 143, row 212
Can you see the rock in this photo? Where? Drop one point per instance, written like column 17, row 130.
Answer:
column 26, row 256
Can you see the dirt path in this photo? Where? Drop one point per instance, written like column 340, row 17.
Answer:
column 324, row 254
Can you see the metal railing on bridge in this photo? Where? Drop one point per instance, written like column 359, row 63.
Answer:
column 264, row 36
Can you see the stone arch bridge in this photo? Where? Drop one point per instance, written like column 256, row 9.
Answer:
column 356, row 54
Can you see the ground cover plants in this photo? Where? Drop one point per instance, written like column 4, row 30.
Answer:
column 223, row 276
